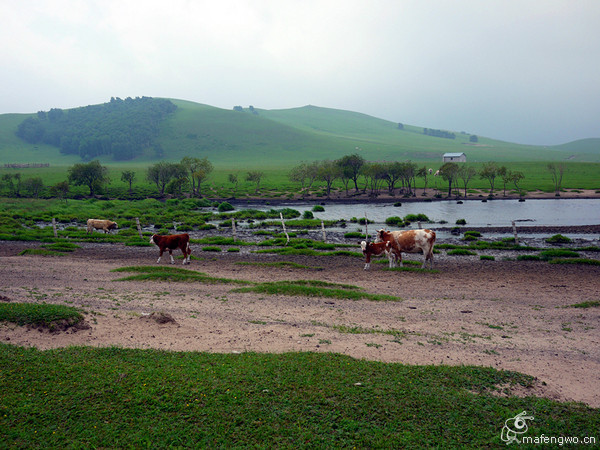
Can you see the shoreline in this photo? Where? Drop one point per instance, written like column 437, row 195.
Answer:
column 587, row 194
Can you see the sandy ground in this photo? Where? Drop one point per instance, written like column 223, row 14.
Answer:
column 505, row 314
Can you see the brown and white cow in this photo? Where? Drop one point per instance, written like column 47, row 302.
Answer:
column 410, row 241
column 377, row 248
column 100, row 224
column 172, row 242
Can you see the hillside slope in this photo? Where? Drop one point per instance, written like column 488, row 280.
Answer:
column 276, row 138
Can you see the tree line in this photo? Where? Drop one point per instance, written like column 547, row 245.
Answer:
column 353, row 171
column 357, row 176
column 120, row 128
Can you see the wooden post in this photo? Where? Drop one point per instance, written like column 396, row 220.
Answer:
column 234, row 230
column 515, row 233
column 54, row 227
column 139, row 228
column 366, row 227
column 284, row 230
column 323, row 229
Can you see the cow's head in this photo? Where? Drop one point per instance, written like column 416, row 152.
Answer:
column 152, row 239
column 380, row 234
column 113, row 226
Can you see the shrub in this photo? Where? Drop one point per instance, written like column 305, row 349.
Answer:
column 318, row 208
column 416, row 218
column 308, row 215
column 225, row 206
column 558, row 239
column 394, row 221
column 461, row 222
column 472, row 233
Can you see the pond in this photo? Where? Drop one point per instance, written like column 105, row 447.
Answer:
column 496, row 213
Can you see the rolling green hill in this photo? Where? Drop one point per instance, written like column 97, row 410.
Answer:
column 280, row 138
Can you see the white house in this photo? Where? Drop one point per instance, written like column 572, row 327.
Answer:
column 455, row 157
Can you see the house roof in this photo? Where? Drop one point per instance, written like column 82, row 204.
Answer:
column 453, row 155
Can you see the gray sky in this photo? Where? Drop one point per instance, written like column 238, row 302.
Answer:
column 524, row 71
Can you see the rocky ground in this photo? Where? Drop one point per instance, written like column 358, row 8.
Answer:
column 507, row 314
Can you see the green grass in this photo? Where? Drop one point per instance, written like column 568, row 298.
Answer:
column 584, row 305
column 315, row 288
column 110, row 397
column 583, row 261
column 38, row 314
column 285, row 264
column 171, row 274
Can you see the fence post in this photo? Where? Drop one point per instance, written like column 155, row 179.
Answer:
column 515, row 233
column 139, row 228
column 54, row 227
column 284, row 230
column 234, row 229
column 366, row 227
column 323, row 228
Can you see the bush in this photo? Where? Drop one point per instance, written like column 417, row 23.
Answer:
column 225, row 206
column 558, row 239
column 461, row 222
column 308, row 215
column 318, row 208
column 416, row 218
column 394, row 221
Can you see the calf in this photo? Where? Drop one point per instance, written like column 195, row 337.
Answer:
column 172, row 242
column 376, row 249
column 411, row 241
column 100, row 224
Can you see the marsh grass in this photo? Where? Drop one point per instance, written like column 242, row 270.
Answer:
column 40, row 252
column 589, row 304
column 583, row 261
column 83, row 397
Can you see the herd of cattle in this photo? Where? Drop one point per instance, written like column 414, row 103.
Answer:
column 392, row 243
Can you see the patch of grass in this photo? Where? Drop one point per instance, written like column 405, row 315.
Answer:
column 588, row 304
column 461, row 252
column 211, row 248
column 316, row 288
column 173, row 274
column 62, row 247
column 487, row 258
column 38, row 314
column 291, row 264
column 558, row 253
column 40, row 252
column 558, row 239
column 529, row 258
column 104, row 397
column 586, row 261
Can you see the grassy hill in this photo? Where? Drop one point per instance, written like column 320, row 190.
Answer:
column 273, row 139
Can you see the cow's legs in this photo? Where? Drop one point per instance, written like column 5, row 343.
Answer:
column 171, row 255
column 159, row 256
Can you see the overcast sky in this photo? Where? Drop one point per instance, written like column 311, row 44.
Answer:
column 524, row 71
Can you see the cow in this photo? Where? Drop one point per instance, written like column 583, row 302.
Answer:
column 172, row 242
column 376, row 249
column 410, row 241
column 100, row 224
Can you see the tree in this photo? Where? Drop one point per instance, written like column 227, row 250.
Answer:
column 466, row 174
column 233, row 179
column 489, row 172
column 557, row 171
column 328, row 172
column 162, row 172
column 255, row 176
column 449, row 173
column 33, row 186
column 201, row 172
column 128, row 176
column 351, row 165
column 93, row 175
column 305, row 174
column 60, row 190
column 194, row 165
column 374, row 174
column 504, row 174
column 423, row 172
column 473, row 138
column 515, row 178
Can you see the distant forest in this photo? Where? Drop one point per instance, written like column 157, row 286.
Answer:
column 121, row 128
